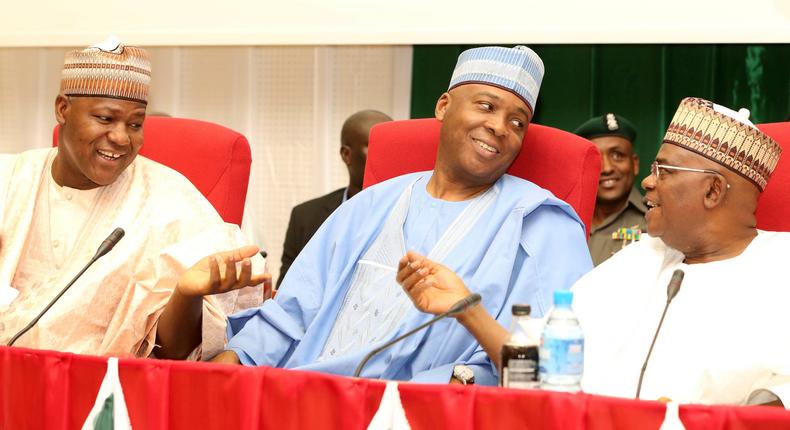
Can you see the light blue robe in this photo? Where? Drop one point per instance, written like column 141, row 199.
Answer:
column 525, row 246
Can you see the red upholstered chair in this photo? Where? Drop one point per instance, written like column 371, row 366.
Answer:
column 773, row 209
column 561, row 162
column 214, row 158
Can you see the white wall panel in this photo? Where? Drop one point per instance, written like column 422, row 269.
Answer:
column 321, row 22
column 289, row 101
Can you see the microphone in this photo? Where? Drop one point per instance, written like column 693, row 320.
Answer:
column 460, row 306
column 672, row 291
column 106, row 246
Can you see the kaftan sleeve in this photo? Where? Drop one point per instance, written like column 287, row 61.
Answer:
column 557, row 256
column 7, row 294
column 137, row 314
column 481, row 366
column 553, row 255
column 777, row 388
column 269, row 334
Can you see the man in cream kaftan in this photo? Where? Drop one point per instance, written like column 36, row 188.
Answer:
column 57, row 205
column 50, row 232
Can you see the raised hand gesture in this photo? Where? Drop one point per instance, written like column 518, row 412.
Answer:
column 432, row 287
column 217, row 273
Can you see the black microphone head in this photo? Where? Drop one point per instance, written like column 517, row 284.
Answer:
column 116, row 235
column 674, row 284
column 108, row 244
column 464, row 304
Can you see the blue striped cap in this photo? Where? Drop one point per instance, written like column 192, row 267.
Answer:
column 518, row 70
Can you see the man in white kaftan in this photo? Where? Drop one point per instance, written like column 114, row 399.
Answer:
column 724, row 334
column 57, row 205
column 724, row 337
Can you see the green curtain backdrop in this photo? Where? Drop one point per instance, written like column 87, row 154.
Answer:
column 644, row 83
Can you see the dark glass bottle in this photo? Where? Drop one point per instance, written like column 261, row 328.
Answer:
column 520, row 353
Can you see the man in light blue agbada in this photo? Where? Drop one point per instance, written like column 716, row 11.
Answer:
column 509, row 239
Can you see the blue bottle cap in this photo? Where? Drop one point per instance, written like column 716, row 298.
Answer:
column 563, row 298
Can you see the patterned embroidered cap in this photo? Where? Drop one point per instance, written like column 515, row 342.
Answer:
column 607, row 125
column 726, row 137
column 109, row 69
column 518, row 70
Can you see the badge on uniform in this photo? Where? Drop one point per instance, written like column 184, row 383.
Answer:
column 627, row 235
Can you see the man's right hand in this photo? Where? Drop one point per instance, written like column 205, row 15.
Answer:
column 431, row 286
column 226, row 357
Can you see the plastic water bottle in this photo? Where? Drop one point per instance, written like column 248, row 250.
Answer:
column 520, row 353
column 562, row 347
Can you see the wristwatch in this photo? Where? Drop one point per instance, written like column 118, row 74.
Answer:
column 464, row 374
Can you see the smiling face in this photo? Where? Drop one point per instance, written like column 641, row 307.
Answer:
column 676, row 201
column 99, row 138
column 482, row 131
column 619, row 167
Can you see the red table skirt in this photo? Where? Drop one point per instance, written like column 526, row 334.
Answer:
column 51, row 390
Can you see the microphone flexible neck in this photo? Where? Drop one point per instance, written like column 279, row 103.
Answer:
column 650, row 351
column 373, row 353
column 51, row 303
column 455, row 309
column 672, row 291
column 105, row 247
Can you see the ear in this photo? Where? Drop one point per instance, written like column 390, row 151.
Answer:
column 345, row 154
column 441, row 106
column 716, row 189
column 635, row 160
column 62, row 106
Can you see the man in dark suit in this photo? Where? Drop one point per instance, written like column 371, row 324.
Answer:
column 308, row 216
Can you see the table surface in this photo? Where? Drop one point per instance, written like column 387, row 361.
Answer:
column 53, row 390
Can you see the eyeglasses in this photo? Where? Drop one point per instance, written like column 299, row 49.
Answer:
column 655, row 170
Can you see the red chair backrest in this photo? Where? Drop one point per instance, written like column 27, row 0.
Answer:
column 561, row 162
column 773, row 209
column 214, row 158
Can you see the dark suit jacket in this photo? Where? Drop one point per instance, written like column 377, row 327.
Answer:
column 305, row 220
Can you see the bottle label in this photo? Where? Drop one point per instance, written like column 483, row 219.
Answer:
column 520, row 374
column 562, row 356
column 520, row 366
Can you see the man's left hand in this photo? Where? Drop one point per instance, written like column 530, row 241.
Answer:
column 217, row 274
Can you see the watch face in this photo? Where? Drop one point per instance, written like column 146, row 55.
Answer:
column 464, row 374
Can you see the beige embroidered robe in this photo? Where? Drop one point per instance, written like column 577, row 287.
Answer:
column 114, row 307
